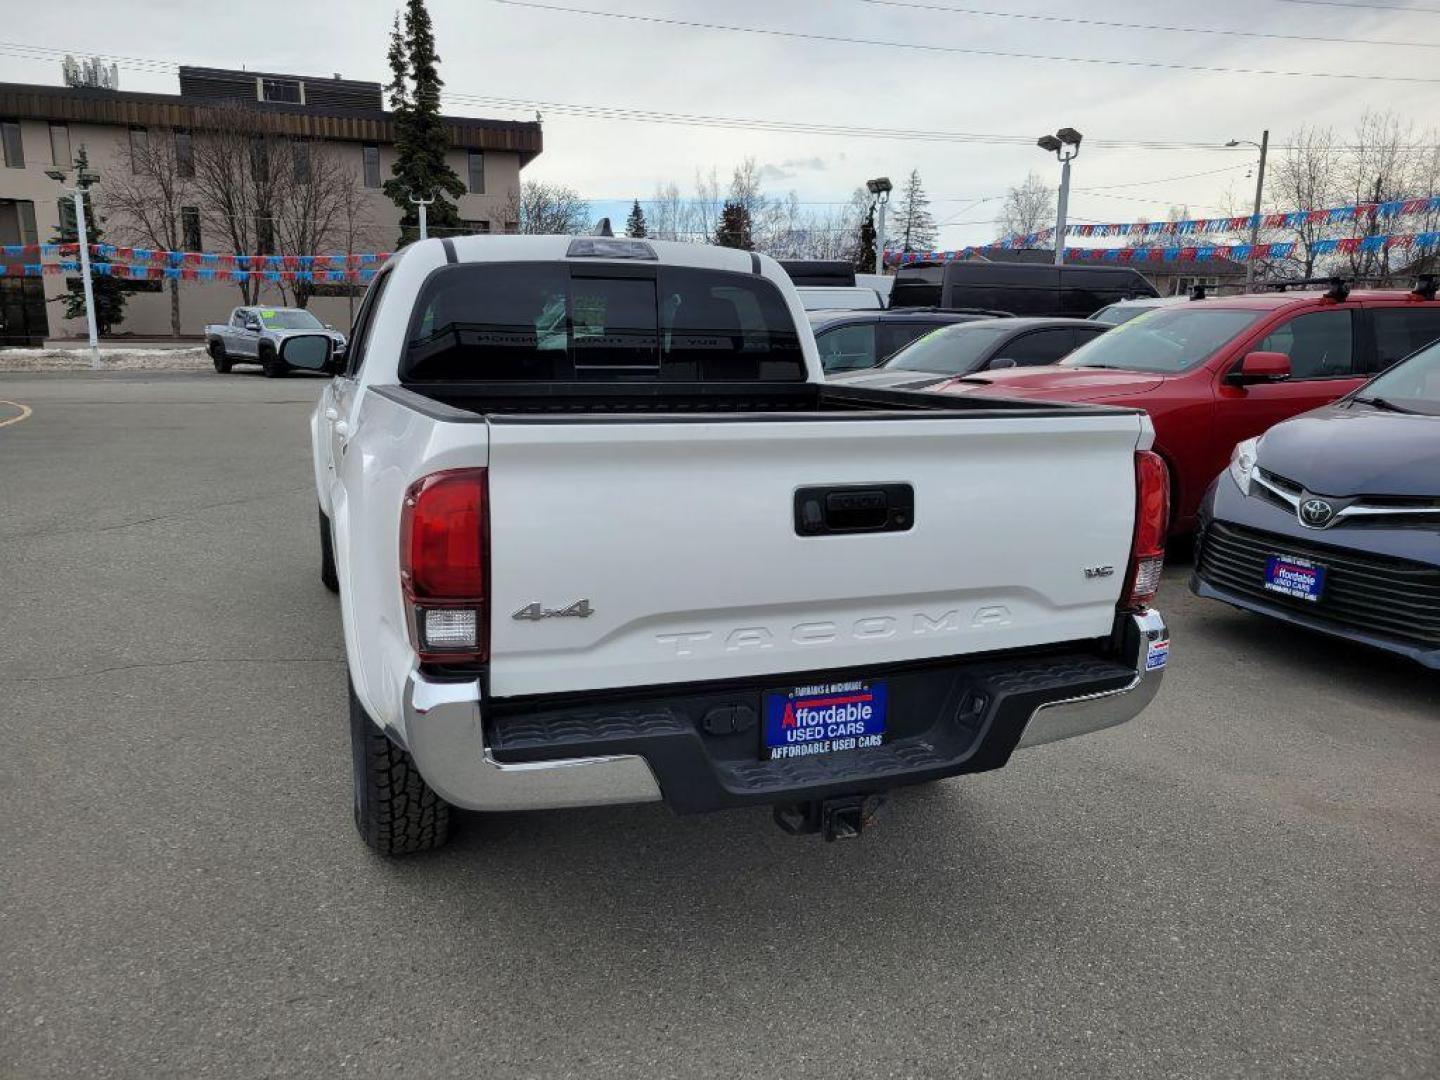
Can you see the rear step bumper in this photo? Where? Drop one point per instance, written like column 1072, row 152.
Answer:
column 642, row 748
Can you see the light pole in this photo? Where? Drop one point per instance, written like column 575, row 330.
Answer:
column 78, row 194
column 1263, row 145
column 880, row 187
column 1065, row 145
column 422, row 204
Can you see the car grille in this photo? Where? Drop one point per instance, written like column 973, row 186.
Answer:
column 1393, row 598
column 1365, row 512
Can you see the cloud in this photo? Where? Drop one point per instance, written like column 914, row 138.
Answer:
column 792, row 167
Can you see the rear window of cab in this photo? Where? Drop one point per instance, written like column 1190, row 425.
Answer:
column 563, row 322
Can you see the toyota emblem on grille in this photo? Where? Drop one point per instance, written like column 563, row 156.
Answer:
column 1317, row 513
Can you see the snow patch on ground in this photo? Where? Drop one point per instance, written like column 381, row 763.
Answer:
column 111, row 359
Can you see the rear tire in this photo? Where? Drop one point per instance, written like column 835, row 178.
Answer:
column 327, row 555
column 219, row 358
column 271, row 364
column 396, row 812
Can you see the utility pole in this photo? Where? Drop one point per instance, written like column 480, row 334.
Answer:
column 1264, row 145
column 78, row 194
column 422, row 204
column 1065, row 145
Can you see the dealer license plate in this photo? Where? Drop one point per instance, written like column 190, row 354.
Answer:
column 1291, row 575
column 823, row 719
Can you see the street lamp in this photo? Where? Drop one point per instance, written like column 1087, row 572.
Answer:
column 422, row 204
column 1263, row 145
column 1065, row 145
column 78, row 194
column 880, row 187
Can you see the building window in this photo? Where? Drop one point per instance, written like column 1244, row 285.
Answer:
column 372, row 166
column 139, row 148
column 60, row 146
column 190, row 227
column 66, row 206
column 512, row 227
column 476, row 228
column 280, row 90
column 301, row 151
column 25, row 210
column 477, row 172
column 259, row 159
column 264, row 235
column 14, row 148
column 184, row 153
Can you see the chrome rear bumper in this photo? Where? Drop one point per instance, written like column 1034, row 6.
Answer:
column 444, row 733
column 1148, row 644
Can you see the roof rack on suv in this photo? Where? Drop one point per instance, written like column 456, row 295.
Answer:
column 1339, row 287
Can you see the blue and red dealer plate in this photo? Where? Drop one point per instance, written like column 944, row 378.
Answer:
column 1291, row 575
column 823, row 719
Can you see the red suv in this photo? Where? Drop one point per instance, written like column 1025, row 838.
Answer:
column 1213, row 372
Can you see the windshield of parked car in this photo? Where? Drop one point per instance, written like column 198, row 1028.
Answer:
column 289, row 319
column 953, row 350
column 1412, row 385
column 1164, row 340
column 553, row 322
column 1116, row 314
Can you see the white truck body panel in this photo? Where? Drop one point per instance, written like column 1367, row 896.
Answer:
column 681, row 533
column 682, row 537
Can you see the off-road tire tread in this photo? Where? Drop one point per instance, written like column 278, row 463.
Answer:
column 219, row 358
column 396, row 812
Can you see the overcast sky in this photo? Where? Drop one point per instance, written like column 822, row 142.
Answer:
column 525, row 54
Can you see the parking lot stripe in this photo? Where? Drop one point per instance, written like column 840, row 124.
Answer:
column 25, row 411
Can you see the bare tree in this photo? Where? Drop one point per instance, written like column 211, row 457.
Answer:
column 242, row 168
column 146, row 194
column 1028, row 208
column 549, row 209
column 667, row 217
column 316, row 199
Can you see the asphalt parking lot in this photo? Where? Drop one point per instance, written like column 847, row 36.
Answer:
column 1245, row 882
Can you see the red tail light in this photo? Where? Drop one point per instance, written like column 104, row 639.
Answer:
column 1152, row 522
column 444, row 564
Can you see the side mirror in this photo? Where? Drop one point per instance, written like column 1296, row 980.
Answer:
column 252, row 324
column 309, row 352
column 1002, row 362
column 1260, row 367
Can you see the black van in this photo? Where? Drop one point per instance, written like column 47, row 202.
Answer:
column 819, row 271
column 1019, row 288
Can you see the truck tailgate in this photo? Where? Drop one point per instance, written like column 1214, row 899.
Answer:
column 682, row 536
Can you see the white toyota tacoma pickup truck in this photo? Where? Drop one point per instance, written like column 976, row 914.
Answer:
column 602, row 534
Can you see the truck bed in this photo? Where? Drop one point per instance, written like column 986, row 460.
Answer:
column 462, row 402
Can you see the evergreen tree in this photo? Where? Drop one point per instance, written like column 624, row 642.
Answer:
column 865, row 246
column 734, row 228
column 420, row 141
column 915, row 227
column 635, row 223
column 108, row 291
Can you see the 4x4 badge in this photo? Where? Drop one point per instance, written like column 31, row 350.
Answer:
column 581, row 609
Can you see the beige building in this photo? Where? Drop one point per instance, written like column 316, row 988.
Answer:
column 42, row 128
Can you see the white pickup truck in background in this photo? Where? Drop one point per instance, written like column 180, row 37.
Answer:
column 601, row 534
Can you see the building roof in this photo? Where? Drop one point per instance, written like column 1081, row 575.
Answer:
column 87, row 105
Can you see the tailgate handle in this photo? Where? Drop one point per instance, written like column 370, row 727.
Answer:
column 855, row 508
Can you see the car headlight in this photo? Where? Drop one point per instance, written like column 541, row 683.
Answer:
column 1242, row 463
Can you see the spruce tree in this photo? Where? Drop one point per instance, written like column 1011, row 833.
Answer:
column 420, row 141
column 635, row 223
column 109, row 292
column 916, row 229
column 733, row 229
